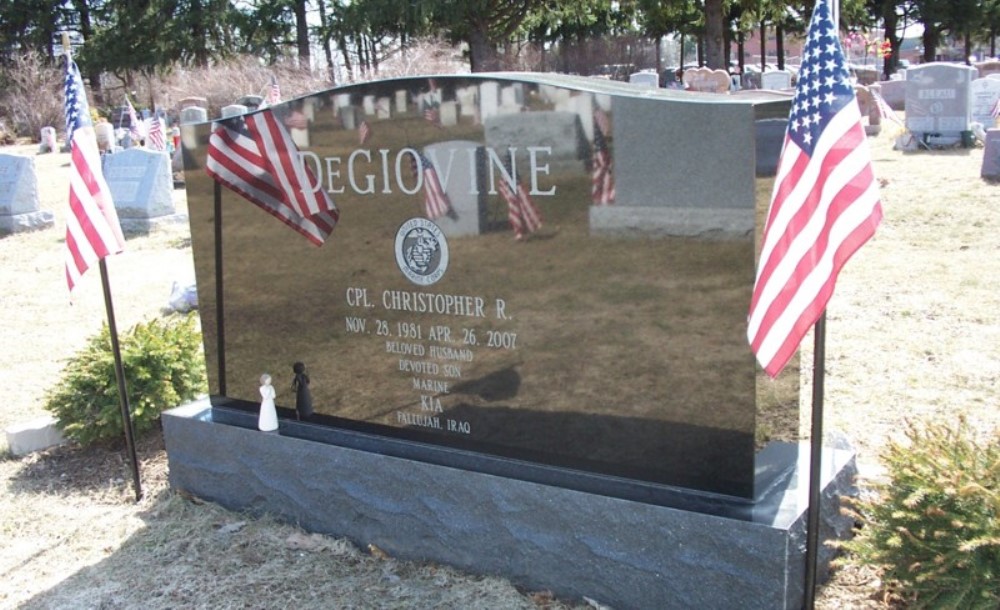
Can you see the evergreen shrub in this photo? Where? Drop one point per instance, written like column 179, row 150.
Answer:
column 934, row 526
column 163, row 365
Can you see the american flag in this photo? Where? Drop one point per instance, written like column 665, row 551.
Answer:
column 244, row 156
column 156, row 140
column 825, row 204
column 273, row 92
column 602, row 189
column 522, row 213
column 995, row 110
column 133, row 122
column 364, row 132
column 432, row 113
column 436, row 202
column 92, row 228
column 884, row 109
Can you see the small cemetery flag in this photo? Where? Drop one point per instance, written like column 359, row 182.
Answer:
column 133, row 123
column 156, row 139
column 436, row 202
column 602, row 189
column 273, row 92
column 364, row 132
column 255, row 157
column 825, row 204
column 884, row 109
column 92, row 228
column 522, row 213
column 995, row 110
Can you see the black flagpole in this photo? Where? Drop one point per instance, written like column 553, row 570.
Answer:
column 120, row 376
column 815, row 462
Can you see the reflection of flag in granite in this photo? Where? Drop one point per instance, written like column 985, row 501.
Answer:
column 432, row 113
column 92, row 228
column 364, row 132
column 524, row 217
column 602, row 189
column 825, row 204
column 436, row 202
column 255, row 157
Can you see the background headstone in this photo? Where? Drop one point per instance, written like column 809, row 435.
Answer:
column 401, row 99
column 645, row 79
column 894, row 93
column 776, row 79
column 991, row 155
column 489, row 100
column 707, row 80
column 984, row 92
column 19, row 196
column 350, row 117
column 988, row 67
column 233, row 110
column 449, row 114
column 252, row 102
column 869, row 109
column 383, row 110
column 142, row 188
column 48, row 140
column 938, row 101
column 105, row 137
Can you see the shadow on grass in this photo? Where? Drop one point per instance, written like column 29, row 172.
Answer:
column 72, row 468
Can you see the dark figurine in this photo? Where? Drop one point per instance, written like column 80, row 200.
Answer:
column 303, row 399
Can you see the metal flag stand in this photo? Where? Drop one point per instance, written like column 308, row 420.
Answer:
column 116, row 351
column 815, row 462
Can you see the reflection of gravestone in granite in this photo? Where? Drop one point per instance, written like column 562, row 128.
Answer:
column 303, row 397
column 268, row 419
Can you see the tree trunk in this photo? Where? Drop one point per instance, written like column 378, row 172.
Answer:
column 930, row 40
column 659, row 56
column 779, row 41
column 891, row 20
column 763, row 45
column 302, row 34
column 342, row 42
column 326, row 42
column 482, row 54
column 714, row 24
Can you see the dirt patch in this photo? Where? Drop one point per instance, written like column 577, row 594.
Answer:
column 913, row 332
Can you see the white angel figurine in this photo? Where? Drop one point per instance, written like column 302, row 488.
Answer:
column 268, row 421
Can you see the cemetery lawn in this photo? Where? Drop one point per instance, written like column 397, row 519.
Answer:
column 913, row 334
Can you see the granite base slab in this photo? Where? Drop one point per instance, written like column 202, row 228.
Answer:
column 618, row 551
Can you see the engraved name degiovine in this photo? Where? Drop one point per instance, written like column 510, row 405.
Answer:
column 363, row 176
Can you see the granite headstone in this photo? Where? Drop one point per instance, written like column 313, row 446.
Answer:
column 142, row 189
column 19, row 211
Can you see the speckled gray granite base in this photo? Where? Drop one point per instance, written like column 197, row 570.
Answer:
column 619, row 552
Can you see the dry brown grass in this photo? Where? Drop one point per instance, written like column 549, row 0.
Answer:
column 914, row 332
